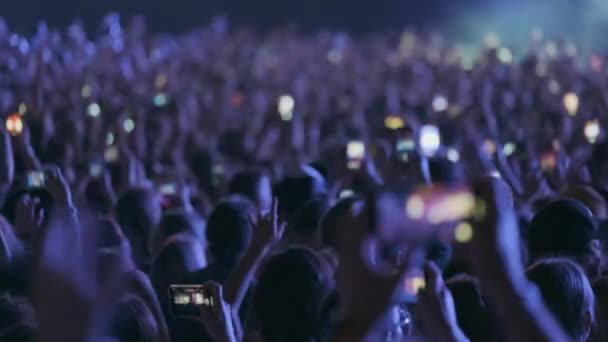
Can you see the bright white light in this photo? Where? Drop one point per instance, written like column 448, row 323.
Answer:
column 128, row 125
column 286, row 106
column 453, row 155
column 94, row 110
column 430, row 140
column 508, row 149
column 440, row 103
column 592, row 130
column 505, row 55
column 110, row 139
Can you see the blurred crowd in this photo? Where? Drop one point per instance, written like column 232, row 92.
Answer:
column 232, row 185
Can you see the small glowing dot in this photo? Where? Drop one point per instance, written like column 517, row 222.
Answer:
column 592, row 130
column 414, row 284
column 415, row 207
column 94, row 110
column 489, row 147
column 110, row 139
column 554, row 87
column 393, row 122
column 334, row 56
column 505, row 55
column 440, row 103
column 128, row 125
column 491, row 40
column 508, row 149
column 86, row 91
column 453, row 155
column 551, row 49
column 463, row 232
column 571, row 103
column 22, row 108
column 556, row 145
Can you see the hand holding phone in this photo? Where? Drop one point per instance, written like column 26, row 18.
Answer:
column 36, row 179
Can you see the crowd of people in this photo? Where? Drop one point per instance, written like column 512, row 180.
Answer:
column 232, row 185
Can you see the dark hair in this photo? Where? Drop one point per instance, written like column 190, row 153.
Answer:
column 178, row 222
column 17, row 321
column 133, row 321
column 293, row 192
column 306, row 220
column 245, row 184
column 330, row 220
column 474, row 317
column 178, row 257
column 567, row 293
column 229, row 229
column 290, row 296
column 564, row 228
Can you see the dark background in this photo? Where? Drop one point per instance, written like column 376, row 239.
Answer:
column 180, row 15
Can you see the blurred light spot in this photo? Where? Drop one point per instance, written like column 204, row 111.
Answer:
column 415, row 207
column 110, row 139
column 479, row 210
column 440, row 103
column 430, row 140
column 571, row 103
column 541, row 69
column 491, row 40
column 463, row 232
column 22, row 108
column 414, row 284
column 453, row 155
column 161, row 81
column 489, row 146
column 393, row 122
column 508, row 149
column 592, row 130
column 504, row 55
column 128, row 125
column 94, row 110
column 334, row 56
column 86, row 91
column 286, row 107
column 554, row 87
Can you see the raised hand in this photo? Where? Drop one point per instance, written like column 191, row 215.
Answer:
column 218, row 318
column 58, row 187
column 435, row 312
column 267, row 230
column 28, row 217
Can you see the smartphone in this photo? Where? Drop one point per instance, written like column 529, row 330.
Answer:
column 96, row 169
column 355, row 153
column 430, row 140
column 440, row 204
column 187, row 300
column 36, row 179
column 111, row 154
column 548, row 161
column 168, row 192
column 14, row 124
